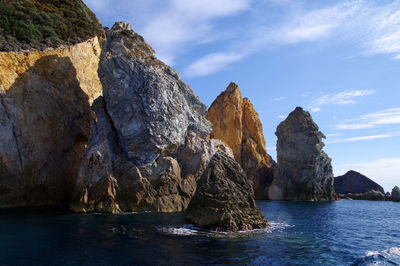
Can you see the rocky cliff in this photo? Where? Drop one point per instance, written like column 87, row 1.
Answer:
column 224, row 200
column 355, row 183
column 45, row 115
column 150, row 140
column 236, row 123
column 304, row 170
column 395, row 196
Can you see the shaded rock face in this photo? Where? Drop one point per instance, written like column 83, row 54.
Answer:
column 304, row 170
column 355, row 183
column 150, row 141
column 224, row 199
column 45, row 119
column 236, row 123
column 396, row 194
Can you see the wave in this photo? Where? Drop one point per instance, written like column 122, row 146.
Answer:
column 389, row 256
column 191, row 230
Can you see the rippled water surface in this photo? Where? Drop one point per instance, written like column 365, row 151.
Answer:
column 338, row 233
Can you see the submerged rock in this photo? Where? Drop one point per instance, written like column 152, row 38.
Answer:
column 224, row 199
column 236, row 123
column 150, row 141
column 396, row 194
column 355, row 183
column 304, row 170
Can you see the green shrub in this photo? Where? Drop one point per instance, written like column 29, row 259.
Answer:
column 38, row 24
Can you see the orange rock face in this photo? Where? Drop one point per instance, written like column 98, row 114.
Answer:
column 236, row 123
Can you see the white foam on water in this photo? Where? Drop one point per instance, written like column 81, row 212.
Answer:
column 191, row 230
column 389, row 256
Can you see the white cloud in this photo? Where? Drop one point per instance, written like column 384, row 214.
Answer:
column 383, row 171
column 342, row 98
column 185, row 23
column 211, row 63
column 364, row 138
column 372, row 120
column 333, row 135
column 282, row 116
column 315, row 109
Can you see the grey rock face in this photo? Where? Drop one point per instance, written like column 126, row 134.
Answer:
column 150, row 142
column 304, row 170
column 396, row 194
column 224, row 200
column 355, row 183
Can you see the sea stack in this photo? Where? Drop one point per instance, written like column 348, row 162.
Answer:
column 224, row 200
column 303, row 170
column 150, row 141
column 236, row 123
column 396, row 194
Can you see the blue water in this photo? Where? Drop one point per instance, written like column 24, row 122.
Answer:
column 337, row 233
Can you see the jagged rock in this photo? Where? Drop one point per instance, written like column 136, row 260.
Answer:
column 224, row 199
column 369, row 195
column 151, row 139
column 396, row 194
column 304, row 170
column 355, row 183
column 45, row 116
column 236, row 123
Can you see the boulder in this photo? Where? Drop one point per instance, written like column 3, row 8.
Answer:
column 396, row 194
column 224, row 199
column 355, row 183
column 150, row 141
column 236, row 123
column 304, row 170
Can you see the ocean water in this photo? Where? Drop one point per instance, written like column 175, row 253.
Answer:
column 301, row 233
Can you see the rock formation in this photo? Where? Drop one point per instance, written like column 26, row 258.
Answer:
column 355, row 183
column 236, row 123
column 368, row 195
column 45, row 115
column 396, row 194
column 224, row 200
column 150, row 141
column 304, row 170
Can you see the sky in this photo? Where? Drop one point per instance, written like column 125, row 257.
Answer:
column 339, row 60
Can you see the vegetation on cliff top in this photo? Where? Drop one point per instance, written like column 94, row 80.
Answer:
column 39, row 24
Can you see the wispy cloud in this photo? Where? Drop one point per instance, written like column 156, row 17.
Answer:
column 211, row 63
column 364, row 138
column 342, row 98
column 277, row 99
column 372, row 120
column 375, row 29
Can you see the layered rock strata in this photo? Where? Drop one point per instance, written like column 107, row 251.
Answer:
column 224, row 200
column 45, row 117
column 304, row 170
column 150, row 141
column 236, row 123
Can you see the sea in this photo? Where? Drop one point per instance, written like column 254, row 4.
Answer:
column 344, row 232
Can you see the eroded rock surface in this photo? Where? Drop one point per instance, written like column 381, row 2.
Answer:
column 45, row 121
column 224, row 200
column 150, row 141
column 304, row 170
column 236, row 123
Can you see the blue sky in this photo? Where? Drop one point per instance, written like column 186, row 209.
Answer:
column 340, row 60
